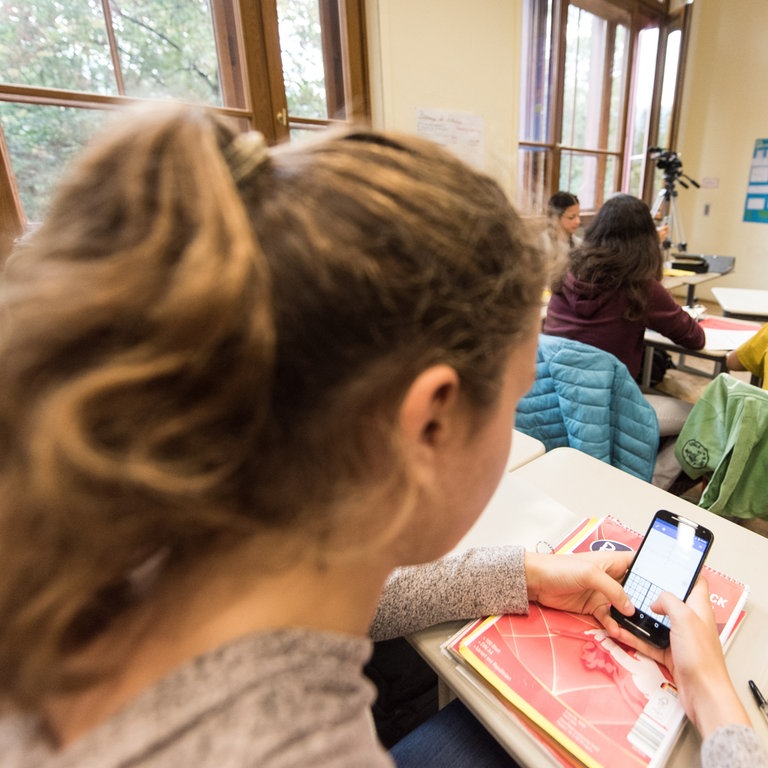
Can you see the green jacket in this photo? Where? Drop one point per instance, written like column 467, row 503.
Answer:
column 725, row 438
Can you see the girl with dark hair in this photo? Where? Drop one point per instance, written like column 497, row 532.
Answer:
column 559, row 237
column 612, row 291
column 564, row 211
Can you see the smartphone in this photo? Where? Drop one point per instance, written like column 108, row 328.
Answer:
column 669, row 559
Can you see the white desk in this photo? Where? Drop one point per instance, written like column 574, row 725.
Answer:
column 541, row 501
column 714, row 351
column 746, row 303
column 524, row 449
column 718, row 266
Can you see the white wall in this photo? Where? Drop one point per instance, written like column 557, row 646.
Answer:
column 464, row 56
column 454, row 56
column 725, row 108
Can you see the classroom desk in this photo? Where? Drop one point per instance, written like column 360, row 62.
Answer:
column 714, row 352
column 718, row 266
column 745, row 303
column 655, row 340
column 524, row 449
column 541, row 501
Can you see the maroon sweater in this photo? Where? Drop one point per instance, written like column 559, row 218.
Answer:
column 587, row 313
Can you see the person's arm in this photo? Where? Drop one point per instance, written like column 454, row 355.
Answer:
column 750, row 356
column 475, row 583
column 667, row 317
column 695, row 659
column 732, row 362
column 486, row 581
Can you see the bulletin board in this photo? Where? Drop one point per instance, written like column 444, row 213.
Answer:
column 756, row 205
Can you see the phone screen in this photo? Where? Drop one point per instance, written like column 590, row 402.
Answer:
column 668, row 560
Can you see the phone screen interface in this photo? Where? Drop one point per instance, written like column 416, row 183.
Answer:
column 667, row 561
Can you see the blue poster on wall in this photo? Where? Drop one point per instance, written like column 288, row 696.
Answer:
column 756, row 206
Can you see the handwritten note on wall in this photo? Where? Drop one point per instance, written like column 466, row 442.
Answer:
column 461, row 132
column 756, row 206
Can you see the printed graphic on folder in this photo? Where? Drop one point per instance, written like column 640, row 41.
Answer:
column 589, row 700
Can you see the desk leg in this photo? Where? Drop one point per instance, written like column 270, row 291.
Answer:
column 691, row 296
column 645, row 376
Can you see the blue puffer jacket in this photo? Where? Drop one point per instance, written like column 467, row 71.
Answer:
column 585, row 398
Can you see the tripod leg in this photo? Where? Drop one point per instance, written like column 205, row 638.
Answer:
column 676, row 228
column 660, row 211
column 657, row 206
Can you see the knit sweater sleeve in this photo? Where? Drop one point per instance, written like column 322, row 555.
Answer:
column 468, row 585
column 735, row 746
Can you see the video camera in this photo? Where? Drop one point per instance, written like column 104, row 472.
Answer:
column 666, row 160
column 670, row 162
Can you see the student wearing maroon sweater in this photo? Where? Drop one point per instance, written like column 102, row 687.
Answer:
column 612, row 290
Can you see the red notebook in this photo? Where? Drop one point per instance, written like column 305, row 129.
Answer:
column 588, row 699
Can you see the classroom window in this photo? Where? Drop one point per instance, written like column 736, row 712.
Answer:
column 594, row 97
column 65, row 63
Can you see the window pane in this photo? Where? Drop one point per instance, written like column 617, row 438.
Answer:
column 583, row 83
column 618, row 78
column 578, row 173
column 535, row 76
column 531, row 188
column 592, row 96
column 592, row 178
column 41, row 140
column 167, row 49
column 635, row 177
column 301, row 132
column 668, row 87
column 55, row 44
column 667, row 104
column 611, row 180
column 301, row 46
column 640, row 114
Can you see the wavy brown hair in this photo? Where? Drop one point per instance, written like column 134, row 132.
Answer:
column 187, row 359
column 620, row 252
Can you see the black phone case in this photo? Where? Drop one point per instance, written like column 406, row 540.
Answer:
column 645, row 626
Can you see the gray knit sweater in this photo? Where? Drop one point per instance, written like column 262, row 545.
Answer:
column 297, row 697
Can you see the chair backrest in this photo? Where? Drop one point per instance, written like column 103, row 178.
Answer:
column 724, row 440
column 585, row 398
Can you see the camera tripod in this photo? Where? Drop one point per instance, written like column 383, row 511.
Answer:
column 669, row 162
column 666, row 205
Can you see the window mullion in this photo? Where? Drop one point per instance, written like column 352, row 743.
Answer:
column 229, row 47
column 333, row 66
column 266, row 90
column 12, row 219
column 609, row 44
column 560, row 10
column 632, row 46
column 685, row 29
column 113, row 51
column 354, row 53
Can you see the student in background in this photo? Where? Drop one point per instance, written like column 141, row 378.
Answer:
column 559, row 237
column 564, row 212
column 612, row 291
column 248, row 398
column 752, row 356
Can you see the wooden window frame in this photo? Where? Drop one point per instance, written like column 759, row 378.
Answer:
column 251, row 76
column 642, row 13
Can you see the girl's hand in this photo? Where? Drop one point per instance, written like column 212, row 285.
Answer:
column 583, row 583
column 695, row 659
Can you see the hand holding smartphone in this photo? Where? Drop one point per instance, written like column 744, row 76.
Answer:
column 669, row 559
